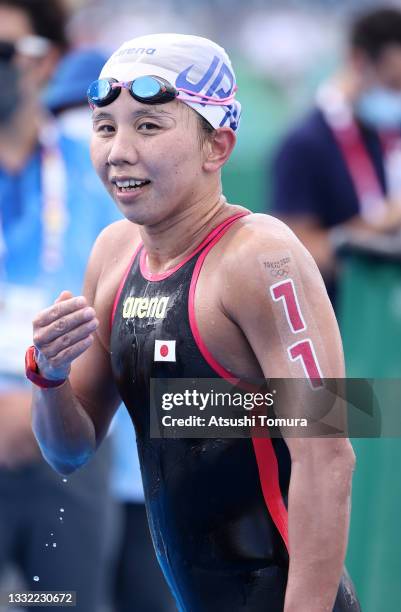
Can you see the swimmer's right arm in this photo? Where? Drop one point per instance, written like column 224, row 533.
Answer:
column 70, row 421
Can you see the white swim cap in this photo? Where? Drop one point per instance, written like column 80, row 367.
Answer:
column 188, row 62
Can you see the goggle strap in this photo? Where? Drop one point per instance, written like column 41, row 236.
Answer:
column 188, row 91
column 215, row 102
column 122, row 84
column 203, row 99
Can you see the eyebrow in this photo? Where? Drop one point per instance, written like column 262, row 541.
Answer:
column 143, row 112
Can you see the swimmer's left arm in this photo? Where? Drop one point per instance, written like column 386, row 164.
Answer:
column 279, row 301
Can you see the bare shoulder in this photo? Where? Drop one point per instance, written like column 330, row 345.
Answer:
column 261, row 259
column 260, row 242
column 273, row 289
column 260, row 230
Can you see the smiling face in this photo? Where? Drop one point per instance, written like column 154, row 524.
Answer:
column 149, row 158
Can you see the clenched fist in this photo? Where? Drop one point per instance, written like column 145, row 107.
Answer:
column 61, row 333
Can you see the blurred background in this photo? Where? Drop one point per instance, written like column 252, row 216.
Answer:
column 301, row 82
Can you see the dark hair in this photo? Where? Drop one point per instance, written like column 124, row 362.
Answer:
column 205, row 128
column 372, row 32
column 48, row 18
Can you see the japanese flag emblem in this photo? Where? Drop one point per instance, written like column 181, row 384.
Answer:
column 165, row 350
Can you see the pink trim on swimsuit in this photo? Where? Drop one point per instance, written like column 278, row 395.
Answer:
column 217, row 234
column 266, row 460
column 152, row 276
column 263, row 448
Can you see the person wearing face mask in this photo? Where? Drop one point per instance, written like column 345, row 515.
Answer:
column 52, row 207
column 65, row 94
column 339, row 168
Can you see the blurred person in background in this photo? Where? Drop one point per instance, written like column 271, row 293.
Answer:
column 339, row 168
column 52, row 207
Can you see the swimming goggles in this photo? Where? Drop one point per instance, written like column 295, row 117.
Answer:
column 148, row 90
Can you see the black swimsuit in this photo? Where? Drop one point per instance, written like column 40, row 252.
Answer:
column 217, row 508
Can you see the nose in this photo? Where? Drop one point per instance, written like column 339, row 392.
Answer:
column 123, row 149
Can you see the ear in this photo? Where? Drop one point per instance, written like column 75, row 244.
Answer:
column 218, row 148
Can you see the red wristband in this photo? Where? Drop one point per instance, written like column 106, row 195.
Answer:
column 32, row 372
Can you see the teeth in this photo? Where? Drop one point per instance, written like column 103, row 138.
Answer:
column 129, row 183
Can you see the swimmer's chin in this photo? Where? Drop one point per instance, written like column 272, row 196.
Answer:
column 140, row 214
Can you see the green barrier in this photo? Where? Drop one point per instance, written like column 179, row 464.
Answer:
column 370, row 321
column 370, row 315
column 265, row 110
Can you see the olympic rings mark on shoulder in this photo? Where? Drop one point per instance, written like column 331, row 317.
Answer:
column 279, row 273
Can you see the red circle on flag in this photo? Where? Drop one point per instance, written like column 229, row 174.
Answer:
column 164, row 350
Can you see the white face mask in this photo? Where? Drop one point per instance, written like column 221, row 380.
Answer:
column 76, row 123
column 381, row 108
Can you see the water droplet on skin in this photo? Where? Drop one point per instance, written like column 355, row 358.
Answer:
column 54, row 545
column 36, row 578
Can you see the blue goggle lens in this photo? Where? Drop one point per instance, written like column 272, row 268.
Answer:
column 145, row 87
column 99, row 90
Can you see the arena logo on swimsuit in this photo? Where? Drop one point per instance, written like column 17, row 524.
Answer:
column 142, row 307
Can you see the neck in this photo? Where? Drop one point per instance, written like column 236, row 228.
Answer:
column 171, row 240
column 18, row 138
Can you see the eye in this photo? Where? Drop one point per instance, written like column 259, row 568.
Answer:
column 148, row 126
column 103, row 128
